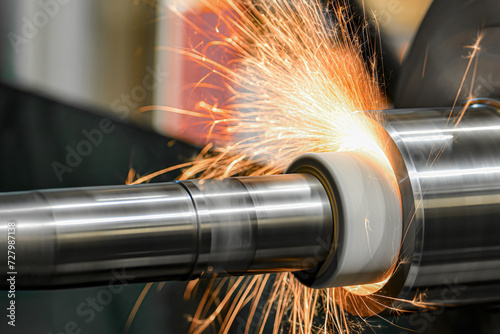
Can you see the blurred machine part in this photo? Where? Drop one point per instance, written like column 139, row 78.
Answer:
column 454, row 57
column 397, row 22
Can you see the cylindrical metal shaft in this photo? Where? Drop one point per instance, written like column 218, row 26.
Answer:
column 341, row 220
column 448, row 169
column 166, row 231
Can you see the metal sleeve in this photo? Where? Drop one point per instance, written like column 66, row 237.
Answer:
column 449, row 180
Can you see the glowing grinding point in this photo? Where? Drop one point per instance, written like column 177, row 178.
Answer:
column 367, row 218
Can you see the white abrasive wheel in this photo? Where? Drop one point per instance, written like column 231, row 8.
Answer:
column 367, row 217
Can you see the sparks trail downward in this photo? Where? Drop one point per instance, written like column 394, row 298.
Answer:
column 295, row 83
column 293, row 80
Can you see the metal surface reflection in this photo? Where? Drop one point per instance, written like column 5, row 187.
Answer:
column 450, row 187
column 165, row 231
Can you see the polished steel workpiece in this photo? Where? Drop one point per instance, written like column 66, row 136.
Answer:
column 449, row 180
column 165, row 231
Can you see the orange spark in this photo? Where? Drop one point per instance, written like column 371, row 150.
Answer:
column 294, row 81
